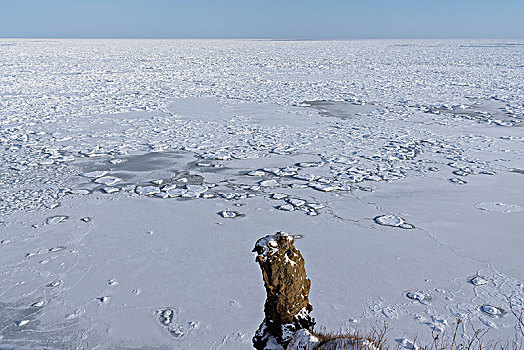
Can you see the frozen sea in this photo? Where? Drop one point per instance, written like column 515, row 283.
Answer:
column 136, row 176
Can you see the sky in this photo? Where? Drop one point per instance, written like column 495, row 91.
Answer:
column 271, row 19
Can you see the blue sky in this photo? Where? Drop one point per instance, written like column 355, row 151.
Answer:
column 283, row 19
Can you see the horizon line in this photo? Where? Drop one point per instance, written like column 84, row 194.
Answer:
column 255, row 38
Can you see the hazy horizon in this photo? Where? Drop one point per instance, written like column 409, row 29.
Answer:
column 271, row 19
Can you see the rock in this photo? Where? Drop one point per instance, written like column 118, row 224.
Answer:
column 287, row 305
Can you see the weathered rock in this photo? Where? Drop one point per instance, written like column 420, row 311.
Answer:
column 287, row 305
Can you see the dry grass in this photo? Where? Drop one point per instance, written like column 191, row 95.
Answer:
column 377, row 338
column 351, row 339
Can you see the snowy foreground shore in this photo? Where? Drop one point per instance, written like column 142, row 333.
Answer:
column 136, row 177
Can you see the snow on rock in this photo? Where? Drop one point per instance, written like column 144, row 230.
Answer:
column 287, row 304
column 303, row 340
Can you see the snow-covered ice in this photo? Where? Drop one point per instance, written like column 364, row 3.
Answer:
column 406, row 156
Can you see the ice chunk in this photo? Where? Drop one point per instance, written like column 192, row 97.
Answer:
column 112, row 282
column 162, row 195
column 147, row 190
column 309, row 164
column 407, row 344
column 393, row 221
column 296, row 202
column 54, row 284
column 108, row 180
column 315, row 206
column 279, row 196
column 286, row 207
column 256, row 173
column 498, row 207
column 95, row 174
column 75, row 314
column 102, row 300
column 116, row 161
column 176, row 192
column 305, row 177
column 323, row 187
column 493, row 311
column 268, row 183
column 109, row 189
column 421, row 297
column 458, row 181
column 53, row 220
column 229, row 214
column 80, row 192
column 477, row 280
column 38, row 304
column 169, row 187
column 196, row 190
column 56, row 249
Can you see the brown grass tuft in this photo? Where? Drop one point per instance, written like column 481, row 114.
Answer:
column 376, row 338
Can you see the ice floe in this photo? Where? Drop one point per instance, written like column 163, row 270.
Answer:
column 147, row 190
column 269, row 183
column 393, row 221
column 498, row 207
column 95, row 174
column 108, row 180
column 356, row 147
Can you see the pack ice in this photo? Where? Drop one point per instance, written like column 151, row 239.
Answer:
column 399, row 164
